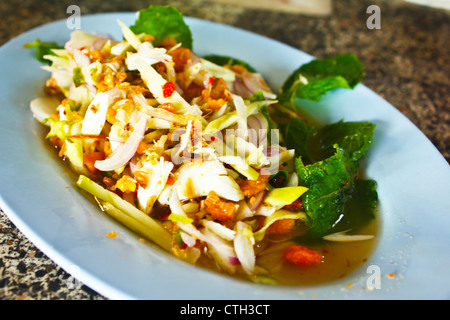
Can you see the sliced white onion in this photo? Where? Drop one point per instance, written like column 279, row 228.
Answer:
column 254, row 122
column 58, row 71
column 164, row 196
column 292, row 180
column 148, row 54
column 220, row 249
column 220, row 230
column 241, row 110
column 134, row 165
column 193, row 69
column 177, row 208
column 243, row 246
column 259, row 199
column 222, row 252
column 80, row 58
column 80, row 39
column 194, row 58
column 197, row 179
column 258, row 129
column 240, row 88
column 217, row 71
column 95, row 117
column 244, row 211
column 273, row 151
column 123, row 153
column 155, row 83
column 255, row 82
column 157, row 175
column 99, row 43
column 43, row 107
column 343, row 237
column 159, row 113
column 187, row 239
column 166, row 115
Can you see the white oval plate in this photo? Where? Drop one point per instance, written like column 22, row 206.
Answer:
column 38, row 195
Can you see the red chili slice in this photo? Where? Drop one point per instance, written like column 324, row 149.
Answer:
column 168, row 89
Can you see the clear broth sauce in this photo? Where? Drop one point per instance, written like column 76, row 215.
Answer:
column 340, row 259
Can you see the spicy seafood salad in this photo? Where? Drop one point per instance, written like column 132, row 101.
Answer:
column 199, row 155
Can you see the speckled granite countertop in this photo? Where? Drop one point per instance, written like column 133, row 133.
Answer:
column 407, row 62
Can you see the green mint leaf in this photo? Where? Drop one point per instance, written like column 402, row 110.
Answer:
column 297, row 135
column 329, row 182
column 354, row 138
column 43, row 49
column 337, row 200
column 163, row 22
column 314, row 79
column 316, row 89
column 360, row 206
column 312, row 144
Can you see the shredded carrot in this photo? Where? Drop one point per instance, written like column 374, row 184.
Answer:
column 302, row 256
column 88, row 136
column 170, row 180
column 142, row 147
column 121, row 76
column 129, row 196
column 281, row 226
column 110, row 80
column 219, row 209
column 180, row 57
column 141, row 178
column 149, row 38
column 238, row 68
column 95, row 55
column 126, row 184
column 56, row 141
column 168, row 42
column 111, row 234
column 111, row 115
column 217, row 95
column 192, row 91
column 252, row 187
column 107, row 148
column 167, row 106
column 89, row 160
column 219, row 88
column 215, row 104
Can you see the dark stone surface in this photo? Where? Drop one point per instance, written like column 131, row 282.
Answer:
column 407, row 62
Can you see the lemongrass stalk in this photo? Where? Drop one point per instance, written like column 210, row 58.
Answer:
column 129, row 215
